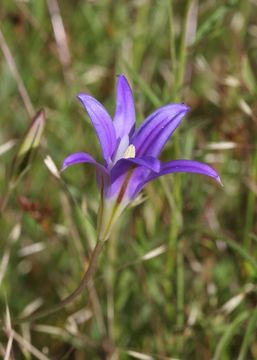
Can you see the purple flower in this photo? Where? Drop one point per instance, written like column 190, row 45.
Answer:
column 130, row 155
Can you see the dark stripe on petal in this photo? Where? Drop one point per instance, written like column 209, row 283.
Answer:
column 179, row 166
column 152, row 135
column 124, row 119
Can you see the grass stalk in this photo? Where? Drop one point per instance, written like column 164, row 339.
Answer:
column 172, row 36
column 182, row 55
column 251, row 199
column 228, row 334
column 248, row 335
column 179, row 71
column 180, row 286
column 16, row 75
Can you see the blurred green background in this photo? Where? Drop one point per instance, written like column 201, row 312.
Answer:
column 178, row 278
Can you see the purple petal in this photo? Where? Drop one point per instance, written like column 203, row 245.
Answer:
column 124, row 119
column 189, row 166
column 81, row 157
column 133, row 169
column 177, row 166
column 149, row 162
column 102, row 123
column 152, row 135
column 124, row 165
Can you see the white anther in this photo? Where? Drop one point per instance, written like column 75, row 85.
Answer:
column 130, row 152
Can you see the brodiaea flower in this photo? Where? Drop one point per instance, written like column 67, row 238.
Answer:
column 130, row 156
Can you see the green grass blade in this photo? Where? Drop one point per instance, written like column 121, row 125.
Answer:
column 248, row 335
column 228, row 334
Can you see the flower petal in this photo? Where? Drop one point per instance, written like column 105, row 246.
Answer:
column 189, row 166
column 124, row 165
column 81, row 157
column 176, row 166
column 124, row 119
column 102, row 123
column 135, row 170
column 152, row 135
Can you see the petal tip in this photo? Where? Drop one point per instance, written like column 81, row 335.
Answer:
column 181, row 108
column 123, row 82
column 121, row 76
column 186, row 107
column 64, row 166
column 82, row 96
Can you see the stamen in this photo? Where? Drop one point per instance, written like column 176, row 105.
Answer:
column 130, row 152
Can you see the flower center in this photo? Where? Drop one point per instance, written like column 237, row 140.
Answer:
column 130, row 152
column 124, row 151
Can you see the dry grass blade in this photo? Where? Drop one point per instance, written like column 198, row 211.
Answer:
column 232, row 303
column 21, row 87
column 77, row 318
column 4, row 264
column 8, row 350
column 48, row 329
column 148, row 256
column 142, row 356
column 15, row 233
column 2, row 350
column 29, row 347
column 13, row 237
column 236, row 300
column 8, row 324
column 192, row 22
column 60, row 36
column 31, row 249
column 9, row 333
column 7, row 146
column 138, row 355
column 154, row 253
column 32, row 307
column 221, row 145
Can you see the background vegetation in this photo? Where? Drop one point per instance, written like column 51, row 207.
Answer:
column 178, row 278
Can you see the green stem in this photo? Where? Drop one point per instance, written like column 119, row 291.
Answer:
column 180, row 286
column 228, row 334
column 178, row 66
column 248, row 335
column 181, row 61
column 172, row 37
column 251, row 199
column 85, row 282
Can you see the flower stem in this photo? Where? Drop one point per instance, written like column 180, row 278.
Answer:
column 85, row 282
